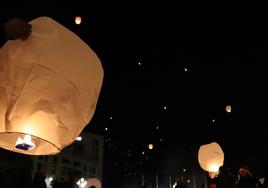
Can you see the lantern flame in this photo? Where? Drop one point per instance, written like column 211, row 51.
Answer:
column 214, row 168
column 25, row 143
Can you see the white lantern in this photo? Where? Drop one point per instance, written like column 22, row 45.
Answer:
column 151, row 146
column 78, row 20
column 228, row 108
column 93, row 182
column 49, row 87
column 210, row 157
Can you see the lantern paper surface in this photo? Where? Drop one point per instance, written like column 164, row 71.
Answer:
column 210, row 157
column 93, row 182
column 49, row 87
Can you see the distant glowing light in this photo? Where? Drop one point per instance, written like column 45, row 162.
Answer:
column 49, row 180
column 139, row 63
column 106, row 128
column 184, row 170
column 81, row 183
column 143, row 153
column 228, row 108
column 78, row 20
column 157, row 127
column 111, row 117
column 25, row 143
column 165, row 107
column 185, row 69
column 161, row 140
column 174, row 185
column 188, row 181
column 151, row 146
column 213, row 120
column 79, row 138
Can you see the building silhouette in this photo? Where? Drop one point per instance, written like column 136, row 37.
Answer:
column 83, row 159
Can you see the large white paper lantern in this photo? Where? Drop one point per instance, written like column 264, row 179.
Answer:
column 93, row 182
column 210, row 157
column 49, row 87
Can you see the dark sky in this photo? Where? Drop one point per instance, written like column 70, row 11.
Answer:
column 192, row 63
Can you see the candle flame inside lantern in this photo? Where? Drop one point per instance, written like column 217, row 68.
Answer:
column 214, row 168
column 25, row 143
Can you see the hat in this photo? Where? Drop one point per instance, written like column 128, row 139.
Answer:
column 244, row 169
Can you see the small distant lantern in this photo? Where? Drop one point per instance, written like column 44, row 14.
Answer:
column 49, row 88
column 93, row 182
column 228, row 108
column 210, row 157
column 151, row 146
column 78, row 20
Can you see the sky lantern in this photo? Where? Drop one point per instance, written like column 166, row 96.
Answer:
column 49, row 87
column 93, row 182
column 210, row 157
column 150, row 146
column 78, row 20
column 228, row 108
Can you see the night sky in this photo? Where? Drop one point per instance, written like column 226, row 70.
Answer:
column 168, row 77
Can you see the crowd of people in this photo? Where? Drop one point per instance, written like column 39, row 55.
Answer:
column 226, row 179
column 244, row 179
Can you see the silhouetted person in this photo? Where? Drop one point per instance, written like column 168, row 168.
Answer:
column 39, row 177
column 15, row 170
column 210, row 181
column 225, row 178
column 246, row 179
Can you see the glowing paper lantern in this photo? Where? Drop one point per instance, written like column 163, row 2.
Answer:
column 210, row 157
column 93, row 182
column 150, row 146
column 49, row 87
column 228, row 108
column 78, row 20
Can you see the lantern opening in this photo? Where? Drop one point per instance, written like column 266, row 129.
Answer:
column 25, row 143
column 214, row 168
column 14, row 141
